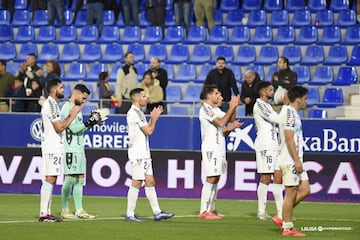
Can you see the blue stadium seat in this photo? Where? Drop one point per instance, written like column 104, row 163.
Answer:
column 268, row 55
column 143, row 20
column 185, row 73
column 178, row 54
column 20, row 4
column 131, row 34
column 95, row 70
column 234, row 18
column 262, row 35
column 169, row 4
column 153, row 34
column 109, row 17
column 88, row 34
column 352, row 35
column 80, row 19
column 301, row 18
column 40, row 18
column 4, row 17
column 70, row 53
column 68, row 18
column 257, row 68
column 76, row 72
column 91, row 53
column 323, row 75
column 355, row 56
column 178, row 110
column 173, row 93
column 141, row 69
column 228, row 5
column 331, row 35
column 318, row 113
column 339, row 5
column 313, row 55
column 270, row 72
column 138, row 50
column 257, row 18
column 24, row 34
column 120, row 21
column 170, row 70
column 21, row 17
column 346, row 18
column 13, row 67
column 224, row 51
column 7, row 51
column 25, row 49
column 201, row 54
column 196, row 34
column 170, row 18
column 6, row 33
column 246, row 54
column 158, row 51
column 346, row 76
column 293, row 53
column 285, row 35
column 204, row 70
column 67, row 90
column 46, row 34
column 237, row 72
column 250, row 5
column 218, row 17
column 174, row 34
column 316, row 5
column 324, row 18
column 294, row 5
column 218, row 34
column 48, row 52
column 303, row 74
column 67, row 34
column 337, row 55
column 114, row 69
column 240, row 34
column 86, row 109
column 307, row 35
column 273, row 5
column 313, row 96
column 240, row 111
column 332, row 97
column 192, row 93
column 109, row 34
column 279, row 18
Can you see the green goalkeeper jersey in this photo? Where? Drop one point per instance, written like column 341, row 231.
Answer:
column 74, row 134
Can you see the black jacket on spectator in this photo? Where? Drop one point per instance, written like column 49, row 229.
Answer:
column 251, row 92
column 283, row 75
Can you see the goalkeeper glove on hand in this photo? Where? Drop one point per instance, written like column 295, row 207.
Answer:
column 94, row 119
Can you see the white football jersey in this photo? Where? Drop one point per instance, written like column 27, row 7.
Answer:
column 51, row 141
column 138, row 141
column 265, row 120
column 211, row 135
column 290, row 120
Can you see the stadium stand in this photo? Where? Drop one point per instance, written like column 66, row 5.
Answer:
column 173, row 93
column 196, row 34
column 240, row 34
column 110, row 34
column 7, row 51
column 201, row 54
column 293, row 53
column 332, row 98
column 318, row 113
column 48, row 52
column 4, row 17
column 25, row 34
column 336, row 55
column 346, row 76
column 245, row 55
column 294, row 5
column 355, row 56
column 256, row 18
column 302, row 17
column 70, row 53
column 323, row 75
column 273, row 5
column 46, row 34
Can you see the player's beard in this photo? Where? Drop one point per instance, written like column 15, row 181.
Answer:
column 59, row 95
column 77, row 102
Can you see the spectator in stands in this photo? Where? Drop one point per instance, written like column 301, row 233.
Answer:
column 130, row 10
column 17, row 90
column 224, row 78
column 156, row 12
column 249, row 92
column 182, row 12
column 204, row 8
column 56, row 7
column 282, row 80
column 358, row 10
column 153, row 91
column 95, row 8
column 126, row 80
column 6, row 82
column 161, row 75
column 9, row 5
column 106, row 94
column 33, row 103
column 113, row 6
column 36, row 5
column 53, row 72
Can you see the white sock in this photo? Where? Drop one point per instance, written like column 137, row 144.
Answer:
column 287, row 225
column 152, row 197
column 45, row 198
column 214, row 192
column 277, row 190
column 132, row 197
column 262, row 197
column 205, row 197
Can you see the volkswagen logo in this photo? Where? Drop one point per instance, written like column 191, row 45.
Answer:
column 36, row 129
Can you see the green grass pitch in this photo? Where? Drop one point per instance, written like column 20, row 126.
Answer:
column 18, row 220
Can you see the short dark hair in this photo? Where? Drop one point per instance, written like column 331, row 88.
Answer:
column 3, row 62
column 127, row 54
column 52, row 83
column 33, row 55
column 261, row 85
column 221, row 58
column 296, row 92
column 82, row 88
column 135, row 91
column 208, row 89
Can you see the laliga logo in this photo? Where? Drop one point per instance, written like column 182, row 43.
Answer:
column 36, row 129
column 239, row 135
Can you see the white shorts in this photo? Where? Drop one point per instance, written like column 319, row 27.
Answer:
column 51, row 164
column 214, row 163
column 141, row 168
column 266, row 161
column 290, row 177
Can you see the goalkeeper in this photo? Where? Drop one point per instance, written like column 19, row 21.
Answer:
column 74, row 157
